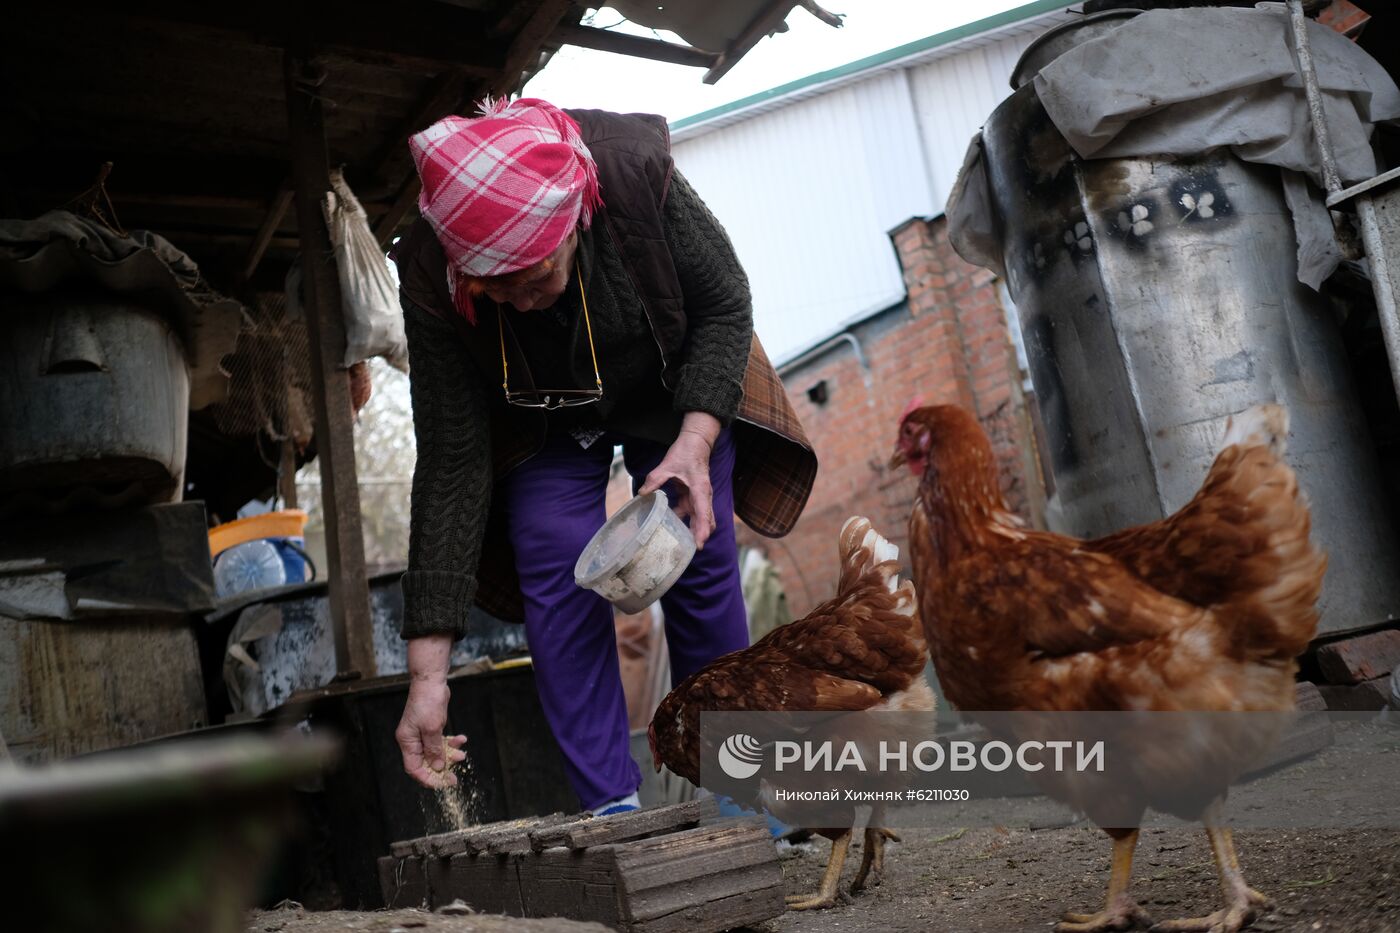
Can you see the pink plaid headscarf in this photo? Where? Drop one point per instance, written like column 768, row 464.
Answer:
column 503, row 190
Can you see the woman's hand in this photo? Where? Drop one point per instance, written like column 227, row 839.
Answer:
column 688, row 464
column 427, row 756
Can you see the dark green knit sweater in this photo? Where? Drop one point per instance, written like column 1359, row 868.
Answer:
column 452, row 480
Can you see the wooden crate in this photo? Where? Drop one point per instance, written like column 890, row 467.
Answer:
column 673, row 869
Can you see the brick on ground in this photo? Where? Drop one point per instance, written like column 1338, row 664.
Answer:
column 1371, row 695
column 1360, row 659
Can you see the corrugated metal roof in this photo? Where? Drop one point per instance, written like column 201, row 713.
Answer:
column 1029, row 20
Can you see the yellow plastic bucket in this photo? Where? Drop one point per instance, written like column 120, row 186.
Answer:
column 287, row 523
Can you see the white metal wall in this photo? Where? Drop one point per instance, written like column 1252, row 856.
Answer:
column 810, row 191
column 953, row 97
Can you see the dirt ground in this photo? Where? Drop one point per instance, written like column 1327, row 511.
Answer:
column 297, row 920
column 990, row 881
column 1007, row 881
column 982, row 879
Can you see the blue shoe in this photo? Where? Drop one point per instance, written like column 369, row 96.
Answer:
column 776, row 827
column 619, row 805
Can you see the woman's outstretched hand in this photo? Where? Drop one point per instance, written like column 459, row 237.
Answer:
column 687, row 463
column 428, row 757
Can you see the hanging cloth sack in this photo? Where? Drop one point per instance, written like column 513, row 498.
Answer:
column 369, row 295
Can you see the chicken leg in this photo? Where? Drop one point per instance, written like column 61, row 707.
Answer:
column 1243, row 904
column 872, row 857
column 828, row 893
column 1120, row 912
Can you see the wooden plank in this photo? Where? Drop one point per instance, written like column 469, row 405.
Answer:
column 514, row 17
column 487, row 885
column 502, row 877
column 76, row 687
column 620, row 43
column 571, row 883
column 663, row 862
column 477, row 839
column 334, row 419
column 517, row 831
column 439, row 845
column 736, row 911
column 287, row 472
column 764, row 22
column 516, row 842
column 422, row 35
column 1357, row 660
column 713, row 877
column 598, row 831
column 275, row 212
column 694, row 880
column 523, row 48
column 403, row 881
column 443, row 95
column 526, row 45
column 404, row 201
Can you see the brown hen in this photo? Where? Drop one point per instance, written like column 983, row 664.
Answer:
column 1204, row 610
column 861, row 650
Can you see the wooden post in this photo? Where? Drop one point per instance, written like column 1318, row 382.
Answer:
column 268, row 230
column 335, row 431
column 287, row 473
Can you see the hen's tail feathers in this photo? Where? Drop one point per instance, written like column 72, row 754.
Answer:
column 864, row 551
column 866, row 554
column 1278, row 612
column 1260, row 426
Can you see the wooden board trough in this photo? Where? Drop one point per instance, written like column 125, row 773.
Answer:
column 656, row 870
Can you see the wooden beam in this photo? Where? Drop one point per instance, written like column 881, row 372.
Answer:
column 527, row 43
column 351, row 620
column 514, row 18
column 604, row 40
column 761, row 25
column 834, row 20
column 271, row 222
column 405, row 201
column 287, row 472
column 423, row 35
column 443, row 96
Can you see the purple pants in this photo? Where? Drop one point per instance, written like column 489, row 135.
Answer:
column 554, row 505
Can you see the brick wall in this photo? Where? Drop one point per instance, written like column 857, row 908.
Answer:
column 948, row 343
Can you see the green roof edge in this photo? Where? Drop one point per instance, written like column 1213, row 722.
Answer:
column 1005, row 18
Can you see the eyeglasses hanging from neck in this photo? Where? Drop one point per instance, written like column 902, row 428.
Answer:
column 551, row 399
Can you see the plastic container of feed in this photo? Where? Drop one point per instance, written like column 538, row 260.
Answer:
column 637, row 555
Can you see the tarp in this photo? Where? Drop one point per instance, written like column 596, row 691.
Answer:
column 1185, row 82
column 61, row 248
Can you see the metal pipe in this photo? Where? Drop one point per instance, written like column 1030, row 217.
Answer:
column 1382, row 282
column 823, row 347
column 1308, row 69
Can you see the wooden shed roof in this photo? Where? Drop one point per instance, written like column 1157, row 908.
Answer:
column 187, row 101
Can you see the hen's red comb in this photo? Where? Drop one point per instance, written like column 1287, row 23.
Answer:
column 914, row 405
